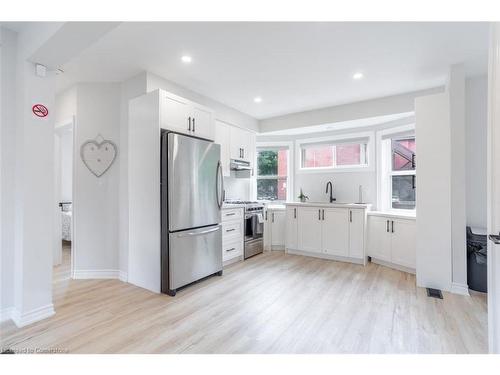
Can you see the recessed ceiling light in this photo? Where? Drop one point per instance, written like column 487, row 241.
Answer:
column 257, row 99
column 358, row 75
column 186, row 59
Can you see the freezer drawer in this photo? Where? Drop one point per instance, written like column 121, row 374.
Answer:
column 194, row 254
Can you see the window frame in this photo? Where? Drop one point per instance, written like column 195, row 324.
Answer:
column 289, row 178
column 385, row 171
column 350, row 138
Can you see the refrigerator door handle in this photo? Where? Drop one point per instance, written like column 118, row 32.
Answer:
column 219, row 180
column 190, row 234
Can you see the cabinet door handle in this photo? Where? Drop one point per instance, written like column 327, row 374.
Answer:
column 231, row 249
column 266, row 215
column 230, row 230
column 243, row 153
column 193, row 124
column 294, row 213
column 323, row 215
column 273, row 217
column 189, row 123
column 350, row 216
column 387, row 228
column 319, row 214
column 231, row 214
column 392, row 226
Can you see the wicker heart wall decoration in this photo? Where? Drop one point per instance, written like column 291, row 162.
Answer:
column 98, row 155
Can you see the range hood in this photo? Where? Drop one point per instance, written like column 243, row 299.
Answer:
column 239, row 165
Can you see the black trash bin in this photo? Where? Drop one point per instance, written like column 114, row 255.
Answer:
column 477, row 266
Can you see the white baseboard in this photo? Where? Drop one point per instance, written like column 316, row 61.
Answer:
column 35, row 315
column 393, row 265
column 123, row 276
column 326, row 256
column 6, row 314
column 96, row 274
column 459, row 288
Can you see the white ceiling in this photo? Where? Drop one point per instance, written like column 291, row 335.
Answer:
column 292, row 66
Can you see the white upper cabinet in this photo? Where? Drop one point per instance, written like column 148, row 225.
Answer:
column 223, row 138
column 241, row 144
column 291, row 228
column 335, row 231
column 356, row 233
column 202, row 121
column 184, row 116
column 309, row 233
column 175, row 112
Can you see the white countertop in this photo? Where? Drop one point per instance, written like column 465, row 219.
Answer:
column 227, row 206
column 326, row 204
column 275, row 206
column 395, row 215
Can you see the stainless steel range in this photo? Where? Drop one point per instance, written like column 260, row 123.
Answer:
column 254, row 227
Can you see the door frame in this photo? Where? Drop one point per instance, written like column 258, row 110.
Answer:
column 493, row 188
column 62, row 125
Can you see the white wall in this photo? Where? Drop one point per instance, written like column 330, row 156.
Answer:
column 8, row 41
column 456, row 92
column 433, row 192
column 476, row 103
column 95, row 208
column 131, row 88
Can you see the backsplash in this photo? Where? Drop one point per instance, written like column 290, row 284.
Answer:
column 237, row 188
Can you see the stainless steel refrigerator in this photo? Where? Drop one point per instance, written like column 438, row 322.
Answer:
column 191, row 201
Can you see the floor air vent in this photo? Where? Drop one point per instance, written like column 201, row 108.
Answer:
column 434, row 293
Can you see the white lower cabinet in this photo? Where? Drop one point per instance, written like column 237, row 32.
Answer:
column 232, row 234
column 337, row 232
column 278, row 229
column 309, row 229
column 291, row 238
column 392, row 240
column 357, row 219
column 274, row 229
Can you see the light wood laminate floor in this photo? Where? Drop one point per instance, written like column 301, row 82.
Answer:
column 272, row 303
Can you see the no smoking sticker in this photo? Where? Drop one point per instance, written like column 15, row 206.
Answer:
column 40, row 110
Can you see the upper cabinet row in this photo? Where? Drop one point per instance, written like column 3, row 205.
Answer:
column 185, row 116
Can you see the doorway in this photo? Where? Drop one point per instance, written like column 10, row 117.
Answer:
column 63, row 250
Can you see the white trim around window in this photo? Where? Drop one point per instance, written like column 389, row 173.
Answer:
column 290, row 188
column 369, row 137
column 384, row 167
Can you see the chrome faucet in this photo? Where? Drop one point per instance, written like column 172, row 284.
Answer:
column 329, row 184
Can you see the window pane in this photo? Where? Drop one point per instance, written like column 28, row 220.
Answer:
column 403, row 192
column 317, row 156
column 403, row 154
column 271, row 189
column 348, row 154
column 267, row 163
column 282, row 163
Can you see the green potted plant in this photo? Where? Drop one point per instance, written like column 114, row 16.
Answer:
column 302, row 196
